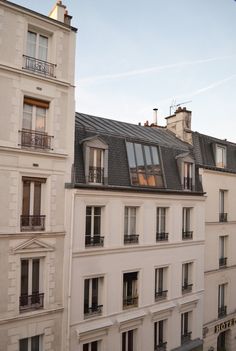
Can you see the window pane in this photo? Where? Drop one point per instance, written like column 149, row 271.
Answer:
column 26, row 198
column 31, row 44
column 86, row 295
column 35, row 276
column 86, row 347
column 24, row 277
column 35, row 343
column 155, row 156
column 97, row 221
column 40, row 122
column 43, row 48
column 91, row 157
column 139, row 154
column 98, row 158
column 94, row 292
column 27, row 116
column 130, row 340
column 147, row 155
column 24, row 344
column 88, row 230
column 37, row 199
column 94, row 346
column 130, row 152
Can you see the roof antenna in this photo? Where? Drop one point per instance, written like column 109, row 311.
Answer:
column 174, row 106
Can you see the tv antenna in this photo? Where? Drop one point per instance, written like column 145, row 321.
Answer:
column 174, row 106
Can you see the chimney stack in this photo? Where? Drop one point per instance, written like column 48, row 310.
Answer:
column 60, row 13
column 180, row 124
column 155, row 116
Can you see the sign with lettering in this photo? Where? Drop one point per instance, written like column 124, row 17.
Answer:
column 225, row 325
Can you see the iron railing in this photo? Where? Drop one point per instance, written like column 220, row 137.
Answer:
column 186, row 337
column 160, row 295
column 222, row 262
column 161, row 347
column 93, row 310
column 39, row 66
column 130, row 301
column 187, row 235
column 131, row 239
column 222, row 217
column 186, row 287
column 188, row 183
column 31, row 222
column 222, row 311
column 95, row 240
column 162, row 236
column 37, row 140
column 96, row 175
column 31, row 302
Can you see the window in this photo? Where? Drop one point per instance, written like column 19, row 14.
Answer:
column 92, row 296
column 186, row 277
column 31, row 297
column 130, row 236
column 130, row 290
column 222, row 198
column 144, row 165
column 159, row 336
column 31, row 218
column 185, row 327
column 222, row 251
column 92, row 346
column 160, row 283
column 93, row 227
column 186, row 224
column 188, row 176
column 96, row 165
column 128, row 341
column 31, row 344
column 220, row 156
column 33, row 133
column 161, row 234
column 222, row 308
column 37, row 54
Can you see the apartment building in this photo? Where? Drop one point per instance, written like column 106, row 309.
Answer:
column 216, row 162
column 137, row 244
column 37, row 56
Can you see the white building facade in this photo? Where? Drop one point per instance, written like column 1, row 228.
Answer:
column 37, row 56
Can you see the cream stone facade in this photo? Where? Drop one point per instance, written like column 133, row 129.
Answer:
column 37, row 55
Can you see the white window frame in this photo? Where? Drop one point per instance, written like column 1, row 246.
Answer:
column 128, row 230
column 134, row 336
column 33, row 117
column 29, row 348
column 221, row 156
column 99, row 292
column 164, row 280
column 156, row 332
column 37, row 44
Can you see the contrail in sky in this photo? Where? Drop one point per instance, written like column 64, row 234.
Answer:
column 92, row 79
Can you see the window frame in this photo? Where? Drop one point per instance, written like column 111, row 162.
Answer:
column 92, row 238
column 221, row 162
column 38, row 34
column 29, row 342
column 130, row 284
column 93, row 307
column 161, row 282
column 187, row 277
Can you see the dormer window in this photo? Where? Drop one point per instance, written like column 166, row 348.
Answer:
column 220, row 156
column 144, row 165
column 186, row 165
column 188, row 176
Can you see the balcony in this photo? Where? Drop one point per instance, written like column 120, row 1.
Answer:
column 32, row 223
column 130, row 301
column 35, row 65
column 188, row 183
column 161, row 295
column 186, row 288
column 185, row 337
column 95, row 240
column 31, row 302
column 222, row 311
column 222, row 262
column 96, row 175
column 187, row 235
column 131, row 239
column 36, row 140
column 162, row 236
column 223, row 217
column 161, row 347
column 95, row 310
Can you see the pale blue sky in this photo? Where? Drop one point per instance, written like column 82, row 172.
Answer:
column 134, row 55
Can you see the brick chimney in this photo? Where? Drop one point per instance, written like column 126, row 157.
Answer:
column 60, row 13
column 180, row 124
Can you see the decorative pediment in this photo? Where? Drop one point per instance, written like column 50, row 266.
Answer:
column 95, row 141
column 185, row 157
column 32, row 245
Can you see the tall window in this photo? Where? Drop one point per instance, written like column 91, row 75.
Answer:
column 185, row 327
column 161, row 234
column 128, row 342
column 130, row 289
column 220, row 156
column 144, row 165
column 31, row 218
column 186, row 224
column 91, row 346
column 187, row 277
column 31, row 344
column 222, row 308
column 188, row 176
column 159, row 336
column 37, row 46
column 223, row 214
column 92, row 296
column 31, row 297
column 222, row 251
column 96, row 165
column 160, row 283
column 130, row 231
column 93, row 226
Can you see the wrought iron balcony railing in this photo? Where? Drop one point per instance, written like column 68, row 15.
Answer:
column 39, row 66
column 162, row 236
column 32, row 223
column 95, row 240
column 131, row 239
column 222, row 262
column 188, row 183
column 93, row 310
column 222, row 311
column 161, row 347
column 186, row 287
column 187, row 235
column 36, row 140
column 31, row 302
column 130, row 301
column 96, row 175
column 186, row 337
column 161, row 295
column 223, row 217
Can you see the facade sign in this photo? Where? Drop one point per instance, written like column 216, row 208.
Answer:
column 225, row 325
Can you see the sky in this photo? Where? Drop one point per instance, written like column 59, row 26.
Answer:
column 136, row 55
